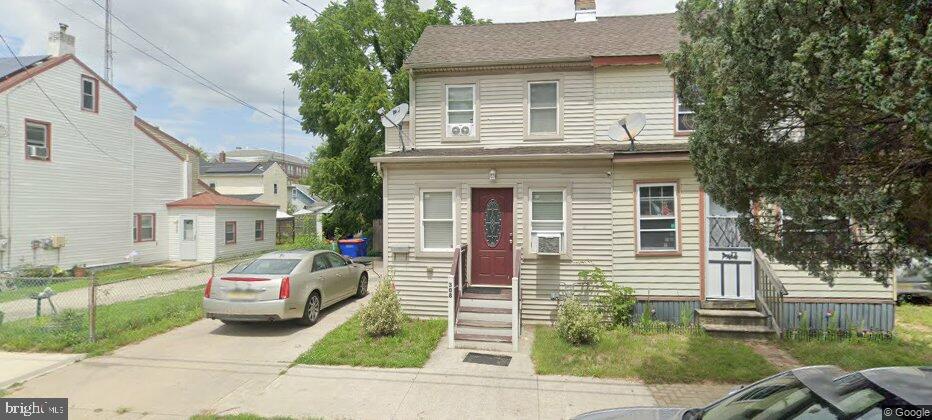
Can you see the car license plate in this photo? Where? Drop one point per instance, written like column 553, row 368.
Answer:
column 241, row 295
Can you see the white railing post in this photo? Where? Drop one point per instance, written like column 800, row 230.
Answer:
column 515, row 313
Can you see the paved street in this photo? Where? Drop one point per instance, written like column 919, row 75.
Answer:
column 118, row 292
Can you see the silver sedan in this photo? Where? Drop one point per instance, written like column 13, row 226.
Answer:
column 284, row 285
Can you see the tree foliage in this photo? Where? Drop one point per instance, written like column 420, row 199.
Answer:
column 351, row 60
column 818, row 109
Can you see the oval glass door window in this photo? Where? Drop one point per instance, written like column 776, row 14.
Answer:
column 493, row 223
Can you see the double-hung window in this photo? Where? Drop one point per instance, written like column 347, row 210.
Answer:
column 543, row 108
column 89, row 93
column 229, row 230
column 144, row 227
column 685, row 122
column 548, row 222
column 38, row 140
column 437, row 221
column 656, row 217
column 461, row 111
column 260, row 230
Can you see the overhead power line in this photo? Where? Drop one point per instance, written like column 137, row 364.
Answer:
column 36, row 82
column 215, row 88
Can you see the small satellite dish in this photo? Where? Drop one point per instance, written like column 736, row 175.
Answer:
column 627, row 128
column 393, row 118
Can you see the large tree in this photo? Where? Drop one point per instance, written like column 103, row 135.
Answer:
column 351, row 59
column 813, row 121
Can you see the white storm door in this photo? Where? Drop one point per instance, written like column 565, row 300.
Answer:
column 729, row 259
column 187, row 247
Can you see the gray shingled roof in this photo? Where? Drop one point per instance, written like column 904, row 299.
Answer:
column 9, row 65
column 616, row 148
column 247, row 197
column 553, row 41
column 234, row 168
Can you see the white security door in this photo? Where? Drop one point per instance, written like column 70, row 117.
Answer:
column 730, row 260
column 188, row 243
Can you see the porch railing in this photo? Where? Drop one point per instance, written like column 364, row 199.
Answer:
column 516, row 298
column 456, row 282
column 770, row 291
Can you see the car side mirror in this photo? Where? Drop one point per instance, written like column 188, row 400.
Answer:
column 693, row 414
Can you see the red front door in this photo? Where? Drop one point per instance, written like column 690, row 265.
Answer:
column 491, row 240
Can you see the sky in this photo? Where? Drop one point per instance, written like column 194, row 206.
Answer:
column 244, row 46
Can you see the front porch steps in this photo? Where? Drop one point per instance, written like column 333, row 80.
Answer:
column 734, row 323
column 484, row 320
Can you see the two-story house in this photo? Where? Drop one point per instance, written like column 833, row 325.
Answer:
column 83, row 181
column 295, row 167
column 508, row 157
column 262, row 182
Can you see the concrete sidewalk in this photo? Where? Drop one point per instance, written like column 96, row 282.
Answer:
column 19, row 367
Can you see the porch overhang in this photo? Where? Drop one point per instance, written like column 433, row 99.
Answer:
column 521, row 153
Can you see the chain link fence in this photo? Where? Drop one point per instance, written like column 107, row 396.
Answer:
column 77, row 301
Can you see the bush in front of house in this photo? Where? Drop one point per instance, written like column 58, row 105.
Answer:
column 616, row 302
column 578, row 323
column 309, row 242
column 382, row 315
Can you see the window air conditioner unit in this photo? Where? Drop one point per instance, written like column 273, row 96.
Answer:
column 461, row 130
column 549, row 244
column 41, row 152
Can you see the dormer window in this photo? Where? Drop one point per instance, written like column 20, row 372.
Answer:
column 461, row 111
column 89, row 91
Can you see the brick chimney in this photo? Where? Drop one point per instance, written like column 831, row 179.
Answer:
column 222, row 156
column 61, row 43
column 585, row 10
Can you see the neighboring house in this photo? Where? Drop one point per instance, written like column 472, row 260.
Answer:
column 182, row 149
column 507, row 150
column 214, row 226
column 295, row 167
column 254, row 181
column 308, row 207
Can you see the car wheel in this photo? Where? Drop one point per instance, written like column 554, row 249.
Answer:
column 363, row 288
column 311, row 310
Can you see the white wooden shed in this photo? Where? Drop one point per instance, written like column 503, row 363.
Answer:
column 210, row 226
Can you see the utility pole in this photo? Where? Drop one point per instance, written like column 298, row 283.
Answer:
column 283, row 129
column 108, row 44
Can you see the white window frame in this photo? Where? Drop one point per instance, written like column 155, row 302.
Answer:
column 46, row 139
column 447, row 110
column 533, row 232
column 675, row 217
column 678, row 104
column 556, row 107
column 94, row 91
column 452, row 219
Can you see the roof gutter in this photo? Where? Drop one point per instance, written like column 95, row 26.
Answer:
column 474, row 158
column 659, row 156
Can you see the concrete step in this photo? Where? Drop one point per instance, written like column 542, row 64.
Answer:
column 731, row 317
column 484, row 346
column 486, row 293
column 469, row 331
column 484, row 314
column 738, row 331
column 482, row 324
column 485, row 303
column 728, row 304
column 482, row 337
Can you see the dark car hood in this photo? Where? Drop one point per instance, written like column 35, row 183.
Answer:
column 634, row 413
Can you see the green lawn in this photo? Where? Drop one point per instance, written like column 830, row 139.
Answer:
column 347, row 345
column 118, row 324
column 652, row 357
column 112, row 275
column 912, row 345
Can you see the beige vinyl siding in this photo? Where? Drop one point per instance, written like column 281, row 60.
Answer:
column 656, row 275
column 501, row 101
column 93, row 189
column 158, row 180
column 245, row 218
column 848, row 284
column 272, row 176
column 621, row 90
column 422, row 279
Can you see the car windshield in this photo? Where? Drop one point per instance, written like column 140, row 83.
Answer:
column 781, row 397
column 266, row 266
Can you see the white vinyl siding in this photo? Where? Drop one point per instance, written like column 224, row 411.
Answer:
column 543, row 108
column 245, row 219
column 547, row 216
column 622, row 90
column 437, row 232
column 656, row 220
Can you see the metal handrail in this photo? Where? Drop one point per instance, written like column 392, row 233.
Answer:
column 770, row 291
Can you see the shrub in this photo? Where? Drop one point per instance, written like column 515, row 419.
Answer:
column 578, row 324
column 310, row 242
column 615, row 302
column 382, row 315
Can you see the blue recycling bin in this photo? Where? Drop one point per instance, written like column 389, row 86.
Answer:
column 353, row 248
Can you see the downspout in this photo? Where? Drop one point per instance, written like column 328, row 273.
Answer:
column 6, row 252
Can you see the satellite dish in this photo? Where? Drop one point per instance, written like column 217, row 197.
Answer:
column 395, row 116
column 627, row 128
